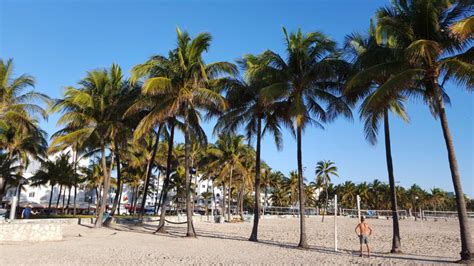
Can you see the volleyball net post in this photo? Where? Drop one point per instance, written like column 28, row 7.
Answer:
column 335, row 222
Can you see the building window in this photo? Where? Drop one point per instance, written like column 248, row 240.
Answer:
column 203, row 186
column 218, row 195
column 209, row 202
column 31, row 195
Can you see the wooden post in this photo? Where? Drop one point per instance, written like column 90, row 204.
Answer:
column 335, row 222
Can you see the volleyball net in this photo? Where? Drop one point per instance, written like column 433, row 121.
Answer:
column 291, row 210
column 372, row 213
column 427, row 214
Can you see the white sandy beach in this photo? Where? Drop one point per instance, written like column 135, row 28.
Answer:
column 422, row 243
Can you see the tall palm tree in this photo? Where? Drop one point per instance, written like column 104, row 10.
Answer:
column 248, row 109
column 158, row 107
column 20, row 135
column 310, row 90
column 428, row 32
column 366, row 55
column 324, row 171
column 190, row 89
column 90, row 116
column 16, row 107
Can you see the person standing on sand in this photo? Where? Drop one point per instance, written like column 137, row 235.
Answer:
column 363, row 231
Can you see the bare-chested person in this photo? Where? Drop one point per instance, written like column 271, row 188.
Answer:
column 363, row 231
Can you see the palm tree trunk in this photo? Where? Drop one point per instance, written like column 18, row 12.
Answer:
column 189, row 212
column 50, row 198
column 68, row 199
column 241, row 201
column 105, row 188
column 230, row 194
column 120, row 199
column 134, row 200
column 157, row 199
column 396, row 245
column 161, row 225
column 75, row 182
column 64, row 198
column 149, row 168
column 256, row 208
column 303, row 242
column 466, row 239
column 74, row 202
column 59, row 196
column 327, row 198
column 223, row 200
column 119, row 181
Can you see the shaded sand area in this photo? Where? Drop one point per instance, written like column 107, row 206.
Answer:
column 422, row 242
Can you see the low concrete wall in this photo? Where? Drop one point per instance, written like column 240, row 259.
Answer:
column 37, row 229
column 30, row 231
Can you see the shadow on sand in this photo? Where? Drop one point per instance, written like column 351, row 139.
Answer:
column 180, row 232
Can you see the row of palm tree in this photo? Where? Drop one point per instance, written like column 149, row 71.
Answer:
column 411, row 51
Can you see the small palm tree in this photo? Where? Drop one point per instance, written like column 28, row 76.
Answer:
column 324, row 171
column 54, row 172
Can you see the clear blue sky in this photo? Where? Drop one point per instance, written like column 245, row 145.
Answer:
column 58, row 41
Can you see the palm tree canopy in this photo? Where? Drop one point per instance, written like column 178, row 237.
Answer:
column 312, row 79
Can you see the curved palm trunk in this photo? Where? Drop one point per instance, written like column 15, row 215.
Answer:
column 396, row 245
column 105, row 189
column 149, row 168
column 303, row 242
column 256, row 208
column 116, row 202
column 230, row 194
column 189, row 212
column 466, row 239
column 164, row 196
